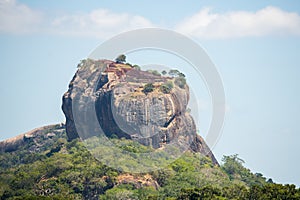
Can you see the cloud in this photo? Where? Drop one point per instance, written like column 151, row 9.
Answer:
column 264, row 22
column 18, row 18
column 98, row 23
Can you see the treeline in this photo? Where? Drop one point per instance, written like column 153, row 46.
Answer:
column 66, row 170
column 255, row 192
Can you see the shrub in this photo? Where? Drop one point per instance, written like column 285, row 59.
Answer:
column 121, row 58
column 180, row 82
column 166, row 87
column 174, row 72
column 136, row 67
column 149, row 87
column 181, row 74
column 154, row 72
column 129, row 64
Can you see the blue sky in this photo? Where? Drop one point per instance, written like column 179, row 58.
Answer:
column 255, row 47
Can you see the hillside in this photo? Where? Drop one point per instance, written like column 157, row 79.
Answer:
column 47, row 166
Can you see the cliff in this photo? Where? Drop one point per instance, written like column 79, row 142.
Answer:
column 124, row 108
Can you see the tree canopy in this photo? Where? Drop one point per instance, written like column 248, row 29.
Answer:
column 121, row 58
column 67, row 170
column 149, row 87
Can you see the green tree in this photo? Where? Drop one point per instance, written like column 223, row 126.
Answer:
column 180, row 82
column 232, row 165
column 205, row 193
column 149, row 87
column 121, row 58
column 154, row 72
column 274, row 191
column 181, row 74
column 174, row 72
column 164, row 72
column 119, row 193
column 235, row 170
column 166, row 87
column 136, row 67
column 235, row 191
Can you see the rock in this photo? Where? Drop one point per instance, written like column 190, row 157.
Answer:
column 36, row 136
column 115, row 93
column 138, row 181
column 50, row 135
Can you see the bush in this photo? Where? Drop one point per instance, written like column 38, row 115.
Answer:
column 205, row 193
column 154, row 72
column 149, row 87
column 121, row 58
column 136, row 67
column 180, row 82
column 174, row 72
column 166, row 87
column 181, row 75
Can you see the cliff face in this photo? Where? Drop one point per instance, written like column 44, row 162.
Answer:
column 124, row 109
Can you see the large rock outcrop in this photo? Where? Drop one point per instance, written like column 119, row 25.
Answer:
column 36, row 140
column 124, row 109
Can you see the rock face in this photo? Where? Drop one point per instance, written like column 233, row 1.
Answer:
column 124, row 109
column 138, row 182
column 38, row 139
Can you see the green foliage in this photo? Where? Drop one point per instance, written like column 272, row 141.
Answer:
column 256, row 192
column 180, row 82
column 164, row 72
column 180, row 79
column 173, row 72
column 137, row 67
column 125, row 192
column 66, row 170
column 205, row 193
column 149, row 87
column 129, row 64
column 162, row 176
column 233, row 166
column 235, row 191
column 154, row 72
column 65, row 174
column 274, row 191
column 121, row 58
column 131, row 146
column 166, row 87
column 119, row 193
column 181, row 75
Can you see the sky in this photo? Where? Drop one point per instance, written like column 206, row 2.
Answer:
column 254, row 45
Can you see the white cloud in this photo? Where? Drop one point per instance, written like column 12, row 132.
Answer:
column 17, row 18
column 267, row 21
column 98, row 23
